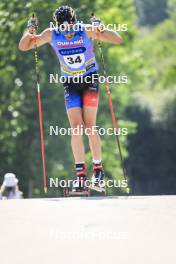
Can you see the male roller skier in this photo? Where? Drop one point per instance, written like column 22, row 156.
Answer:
column 74, row 49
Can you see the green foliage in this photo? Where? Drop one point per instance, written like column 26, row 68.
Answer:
column 147, row 57
column 151, row 151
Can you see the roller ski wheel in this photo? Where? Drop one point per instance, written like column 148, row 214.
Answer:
column 68, row 192
column 98, row 188
column 79, row 188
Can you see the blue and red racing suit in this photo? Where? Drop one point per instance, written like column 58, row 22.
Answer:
column 77, row 59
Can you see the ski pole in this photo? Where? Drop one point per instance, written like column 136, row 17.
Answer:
column 114, row 122
column 40, row 112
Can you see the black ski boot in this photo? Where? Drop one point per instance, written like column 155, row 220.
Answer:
column 81, row 178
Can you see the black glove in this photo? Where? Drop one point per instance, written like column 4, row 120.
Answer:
column 32, row 24
column 97, row 23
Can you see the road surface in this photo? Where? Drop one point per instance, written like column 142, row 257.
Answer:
column 108, row 230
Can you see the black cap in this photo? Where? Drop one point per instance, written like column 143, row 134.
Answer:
column 64, row 13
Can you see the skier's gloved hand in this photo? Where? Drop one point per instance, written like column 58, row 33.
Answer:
column 97, row 24
column 32, row 24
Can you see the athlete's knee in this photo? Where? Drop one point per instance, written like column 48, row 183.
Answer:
column 90, row 128
column 77, row 124
column 89, row 124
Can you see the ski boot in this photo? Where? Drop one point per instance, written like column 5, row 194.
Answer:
column 98, row 174
column 81, row 178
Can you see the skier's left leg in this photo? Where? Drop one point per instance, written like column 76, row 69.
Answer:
column 89, row 119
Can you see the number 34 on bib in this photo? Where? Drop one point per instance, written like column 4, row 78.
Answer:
column 75, row 61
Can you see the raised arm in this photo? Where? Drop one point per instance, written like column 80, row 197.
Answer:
column 27, row 41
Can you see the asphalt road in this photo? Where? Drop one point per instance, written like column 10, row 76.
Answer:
column 133, row 230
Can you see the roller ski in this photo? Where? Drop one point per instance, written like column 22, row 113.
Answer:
column 79, row 186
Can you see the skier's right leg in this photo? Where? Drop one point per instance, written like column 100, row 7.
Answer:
column 76, row 121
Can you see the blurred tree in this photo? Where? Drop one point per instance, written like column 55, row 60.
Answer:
column 20, row 142
column 147, row 57
column 151, row 12
column 152, row 150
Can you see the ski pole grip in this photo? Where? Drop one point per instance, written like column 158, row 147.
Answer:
column 32, row 24
column 97, row 23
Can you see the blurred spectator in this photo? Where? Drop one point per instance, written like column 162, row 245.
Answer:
column 9, row 188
